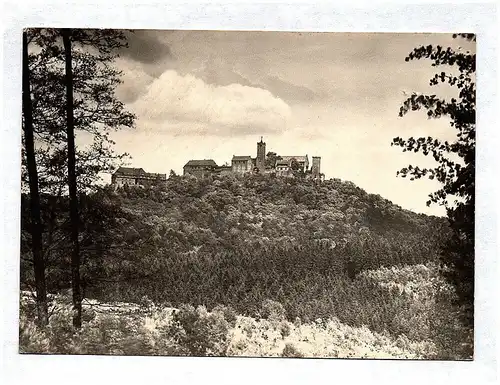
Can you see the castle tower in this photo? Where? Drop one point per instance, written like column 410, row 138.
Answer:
column 316, row 167
column 260, row 161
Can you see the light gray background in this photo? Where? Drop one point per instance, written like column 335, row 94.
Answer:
column 369, row 16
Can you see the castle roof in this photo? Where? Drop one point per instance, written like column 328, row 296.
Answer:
column 242, row 157
column 130, row 171
column 201, row 162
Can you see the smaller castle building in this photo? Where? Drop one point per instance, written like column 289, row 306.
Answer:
column 200, row 168
column 136, row 177
column 288, row 164
column 242, row 164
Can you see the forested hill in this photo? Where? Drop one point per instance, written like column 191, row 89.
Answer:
column 240, row 241
column 214, row 213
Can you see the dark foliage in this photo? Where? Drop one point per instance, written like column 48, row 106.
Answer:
column 455, row 168
column 96, row 109
column 69, row 89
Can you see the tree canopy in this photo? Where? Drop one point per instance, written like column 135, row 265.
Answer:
column 455, row 160
column 97, row 110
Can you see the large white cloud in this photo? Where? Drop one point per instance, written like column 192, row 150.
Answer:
column 134, row 80
column 233, row 109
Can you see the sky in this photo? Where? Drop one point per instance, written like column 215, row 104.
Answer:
column 213, row 94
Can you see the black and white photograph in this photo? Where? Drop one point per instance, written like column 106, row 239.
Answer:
column 247, row 193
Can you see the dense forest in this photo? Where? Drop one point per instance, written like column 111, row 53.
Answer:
column 239, row 241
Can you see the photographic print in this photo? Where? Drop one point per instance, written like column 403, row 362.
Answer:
column 251, row 194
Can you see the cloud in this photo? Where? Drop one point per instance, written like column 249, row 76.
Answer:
column 292, row 92
column 134, row 80
column 173, row 100
column 218, row 71
column 146, row 47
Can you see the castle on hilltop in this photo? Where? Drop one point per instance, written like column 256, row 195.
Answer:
column 270, row 163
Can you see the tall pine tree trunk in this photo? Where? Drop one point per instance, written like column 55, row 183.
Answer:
column 73, row 197
column 36, row 234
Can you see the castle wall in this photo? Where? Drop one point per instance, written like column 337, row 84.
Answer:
column 124, row 180
column 132, row 180
column 199, row 172
column 241, row 166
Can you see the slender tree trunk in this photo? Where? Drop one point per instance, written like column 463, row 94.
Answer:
column 36, row 234
column 73, row 197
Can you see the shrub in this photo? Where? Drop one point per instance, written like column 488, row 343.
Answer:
column 272, row 311
column 284, row 329
column 290, row 351
column 100, row 334
column 228, row 313
column 61, row 331
column 238, row 347
column 198, row 332
column 248, row 328
column 88, row 315
column 114, row 334
column 453, row 340
column 31, row 338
